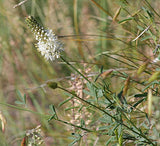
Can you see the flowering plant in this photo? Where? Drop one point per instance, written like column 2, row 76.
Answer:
column 48, row 43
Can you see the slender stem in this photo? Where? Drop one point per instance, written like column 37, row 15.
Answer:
column 74, row 69
column 67, row 123
column 120, row 61
column 101, row 8
column 130, row 121
column 100, row 109
column 152, row 8
column 85, row 101
column 23, row 109
column 84, row 35
column 144, row 136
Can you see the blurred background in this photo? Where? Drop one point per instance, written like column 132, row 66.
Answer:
column 87, row 30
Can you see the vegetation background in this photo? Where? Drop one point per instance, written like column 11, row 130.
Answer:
column 100, row 41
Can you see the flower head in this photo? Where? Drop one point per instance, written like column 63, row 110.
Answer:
column 48, row 43
column 34, row 136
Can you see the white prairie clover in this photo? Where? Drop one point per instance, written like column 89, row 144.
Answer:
column 48, row 43
column 34, row 136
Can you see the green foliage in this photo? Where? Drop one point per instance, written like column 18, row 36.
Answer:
column 106, row 83
column 22, row 99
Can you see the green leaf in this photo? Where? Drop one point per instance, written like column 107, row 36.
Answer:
column 65, row 101
column 76, row 138
column 103, row 128
column 72, row 143
column 110, row 140
column 69, row 108
column 140, row 27
column 138, row 102
column 68, row 94
column 92, row 90
column 51, row 107
column 19, row 95
column 53, row 112
column 19, row 102
column 106, row 119
column 99, row 93
column 152, row 83
column 22, row 99
column 146, row 37
column 52, row 117
column 125, row 20
column 141, row 95
column 82, row 123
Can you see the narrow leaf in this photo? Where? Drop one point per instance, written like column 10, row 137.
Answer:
column 65, row 101
column 154, row 77
column 18, row 102
column 19, row 94
column 138, row 102
column 141, row 95
column 125, row 20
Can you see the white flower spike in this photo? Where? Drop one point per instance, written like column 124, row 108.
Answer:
column 48, row 43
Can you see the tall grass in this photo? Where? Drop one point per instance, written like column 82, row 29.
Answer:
column 103, row 90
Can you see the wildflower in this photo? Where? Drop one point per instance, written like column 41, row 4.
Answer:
column 34, row 136
column 48, row 43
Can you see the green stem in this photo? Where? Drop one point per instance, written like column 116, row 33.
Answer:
column 100, row 109
column 152, row 8
column 120, row 122
column 67, row 123
column 81, row 99
column 74, row 69
column 144, row 136
column 24, row 109
column 120, row 61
